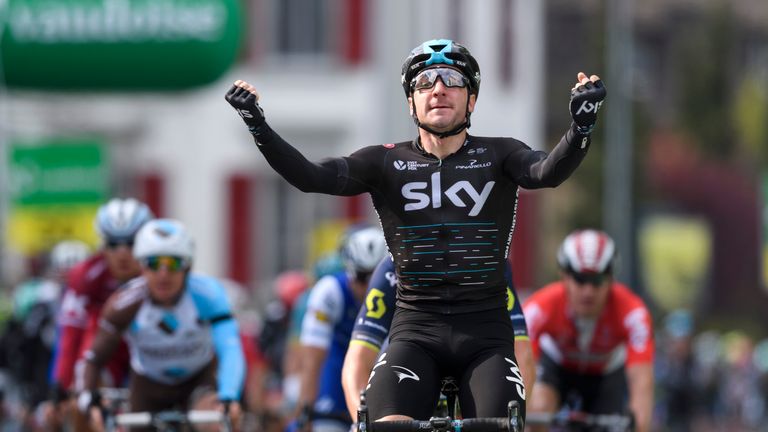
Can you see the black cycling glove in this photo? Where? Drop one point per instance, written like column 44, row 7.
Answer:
column 247, row 106
column 586, row 100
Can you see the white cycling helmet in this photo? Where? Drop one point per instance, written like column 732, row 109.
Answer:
column 120, row 219
column 587, row 251
column 66, row 254
column 362, row 249
column 164, row 237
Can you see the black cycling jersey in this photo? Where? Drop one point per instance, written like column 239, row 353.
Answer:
column 448, row 223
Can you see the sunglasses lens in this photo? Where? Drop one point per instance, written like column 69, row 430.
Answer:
column 116, row 243
column 450, row 77
column 595, row 279
column 170, row 263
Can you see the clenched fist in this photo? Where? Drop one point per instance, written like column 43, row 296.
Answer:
column 586, row 99
column 244, row 99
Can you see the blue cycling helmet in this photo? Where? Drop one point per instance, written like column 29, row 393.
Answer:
column 440, row 51
column 120, row 219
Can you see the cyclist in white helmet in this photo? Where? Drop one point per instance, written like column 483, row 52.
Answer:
column 327, row 327
column 185, row 350
column 591, row 335
column 89, row 284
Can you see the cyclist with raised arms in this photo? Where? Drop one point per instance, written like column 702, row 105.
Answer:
column 327, row 326
column 88, row 285
column 183, row 340
column 372, row 324
column 592, row 336
column 446, row 201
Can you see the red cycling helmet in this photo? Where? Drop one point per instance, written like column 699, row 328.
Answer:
column 289, row 285
column 587, row 251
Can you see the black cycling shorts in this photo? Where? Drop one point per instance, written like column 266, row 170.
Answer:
column 477, row 349
column 596, row 394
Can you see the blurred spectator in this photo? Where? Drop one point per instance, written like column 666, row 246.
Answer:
column 676, row 374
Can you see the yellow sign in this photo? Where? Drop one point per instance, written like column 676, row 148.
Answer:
column 676, row 253
column 33, row 230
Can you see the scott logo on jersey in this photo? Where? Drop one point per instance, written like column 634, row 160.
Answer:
column 421, row 200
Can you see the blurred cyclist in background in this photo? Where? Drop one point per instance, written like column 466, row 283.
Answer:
column 292, row 288
column 89, row 284
column 373, row 321
column 64, row 256
column 327, row 326
column 184, row 342
column 28, row 339
column 256, row 365
column 678, row 376
column 591, row 335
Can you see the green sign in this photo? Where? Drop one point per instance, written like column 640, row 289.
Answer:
column 58, row 172
column 117, row 44
column 56, row 186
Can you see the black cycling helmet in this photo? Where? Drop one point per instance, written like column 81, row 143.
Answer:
column 440, row 51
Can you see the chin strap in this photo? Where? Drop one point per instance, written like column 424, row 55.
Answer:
column 455, row 131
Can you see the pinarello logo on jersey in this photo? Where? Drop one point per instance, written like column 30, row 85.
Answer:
column 473, row 163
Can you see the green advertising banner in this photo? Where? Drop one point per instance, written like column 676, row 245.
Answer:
column 117, row 44
column 56, row 186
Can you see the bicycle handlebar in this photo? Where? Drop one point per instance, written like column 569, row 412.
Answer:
column 147, row 418
column 610, row 422
column 490, row 424
column 511, row 423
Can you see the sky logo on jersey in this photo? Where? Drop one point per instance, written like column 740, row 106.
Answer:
column 412, row 191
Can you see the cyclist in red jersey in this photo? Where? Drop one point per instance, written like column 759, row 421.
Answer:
column 591, row 335
column 89, row 284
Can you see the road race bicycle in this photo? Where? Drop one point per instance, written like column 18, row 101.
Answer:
column 115, row 419
column 578, row 421
column 572, row 418
column 173, row 420
column 444, row 423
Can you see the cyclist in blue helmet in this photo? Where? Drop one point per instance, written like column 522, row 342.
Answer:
column 446, row 201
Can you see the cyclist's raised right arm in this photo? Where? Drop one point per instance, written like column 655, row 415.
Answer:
column 335, row 176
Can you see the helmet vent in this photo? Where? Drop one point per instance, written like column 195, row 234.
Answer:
column 438, row 48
